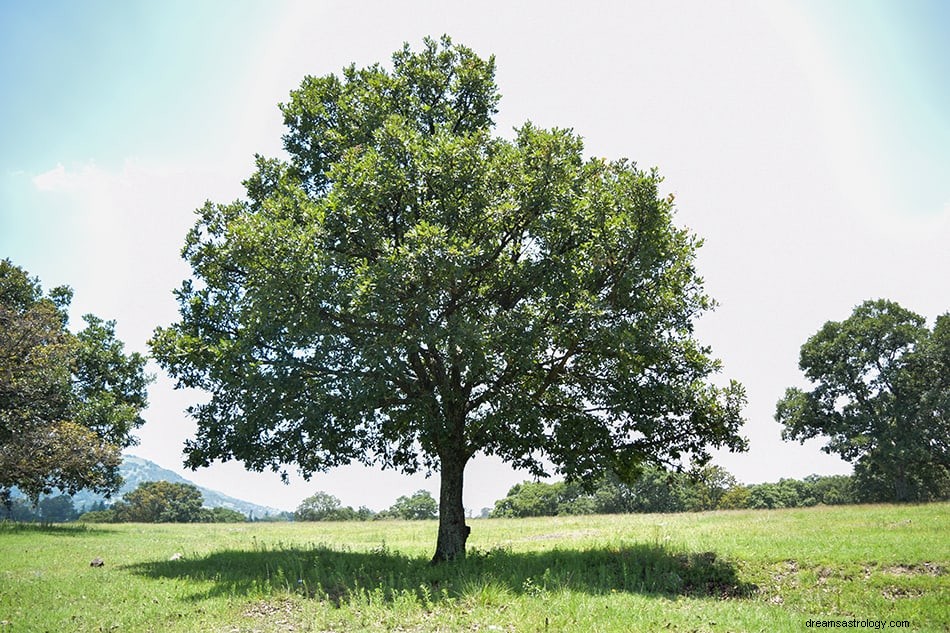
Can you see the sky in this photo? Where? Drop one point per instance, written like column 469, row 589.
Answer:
column 807, row 143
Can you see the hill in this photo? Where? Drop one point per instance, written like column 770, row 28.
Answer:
column 136, row 470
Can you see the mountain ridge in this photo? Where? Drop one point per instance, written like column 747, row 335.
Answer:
column 136, row 470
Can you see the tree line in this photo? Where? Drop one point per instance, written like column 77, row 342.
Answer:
column 658, row 490
column 654, row 491
column 323, row 506
column 167, row 502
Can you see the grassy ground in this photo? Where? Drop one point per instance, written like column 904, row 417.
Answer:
column 721, row 571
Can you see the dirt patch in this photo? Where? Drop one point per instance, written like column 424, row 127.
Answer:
column 918, row 569
column 785, row 569
column 895, row 593
column 277, row 613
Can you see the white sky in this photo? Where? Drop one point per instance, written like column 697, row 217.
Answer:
column 809, row 147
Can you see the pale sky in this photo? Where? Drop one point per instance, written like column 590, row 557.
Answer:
column 808, row 143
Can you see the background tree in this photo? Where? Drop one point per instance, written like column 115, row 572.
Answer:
column 530, row 499
column 68, row 402
column 222, row 515
column 735, row 498
column 99, row 516
column 161, row 502
column 881, row 397
column 830, row 490
column 706, row 487
column 408, row 290
column 419, row 506
column 323, row 506
column 58, row 509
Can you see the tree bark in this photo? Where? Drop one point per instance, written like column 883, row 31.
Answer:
column 452, row 529
column 900, row 485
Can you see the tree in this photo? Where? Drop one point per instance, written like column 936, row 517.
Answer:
column 530, row 499
column 882, row 398
column 68, row 402
column 418, row 506
column 222, row 515
column 161, row 502
column 658, row 490
column 706, row 487
column 735, row 498
column 831, row 489
column 408, row 290
column 323, row 506
column 540, row 498
column 58, row 509
column 98, row 516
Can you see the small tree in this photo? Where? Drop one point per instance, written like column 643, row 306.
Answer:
column 736, row 498
column 531, row 499
column 882, row 398
column 161, row 502
column 99, row 516
column 419, row 506
column 323, row 506
column 706, row 487
column 223, row 515
column 831, row 489
column 410, row 291
column 58, row 509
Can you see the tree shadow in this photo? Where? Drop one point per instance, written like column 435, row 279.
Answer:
column 342, row 576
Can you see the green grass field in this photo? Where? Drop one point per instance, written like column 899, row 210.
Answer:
column 717, row 571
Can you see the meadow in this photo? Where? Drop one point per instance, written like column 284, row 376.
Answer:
column 764, row 570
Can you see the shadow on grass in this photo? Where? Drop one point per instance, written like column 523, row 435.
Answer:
column 382, row 575
column 54, row 529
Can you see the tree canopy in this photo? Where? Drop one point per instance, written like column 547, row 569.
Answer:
column 657, row 490
column 409, row 290
column 161, row 502
column 881, row 397
column 415, row 507
column 322, row 506
column 68, row 402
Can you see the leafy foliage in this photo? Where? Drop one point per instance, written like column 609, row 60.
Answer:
column 68, row 402
column 49, row 509
column 160, row 502
column 661, row 491
column 881, row 397
column 221, row 515
column 323, row 506
column 408, row 290
column 417, row 506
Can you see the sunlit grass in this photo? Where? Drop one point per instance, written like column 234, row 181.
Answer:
column 721, row 571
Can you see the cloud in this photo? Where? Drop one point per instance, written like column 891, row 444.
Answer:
column 89, row 178
column 83, row 177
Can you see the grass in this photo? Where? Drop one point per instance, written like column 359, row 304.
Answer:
column 718, row 571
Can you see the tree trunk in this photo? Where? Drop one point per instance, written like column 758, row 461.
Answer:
column 452, row 529
column 901, row 493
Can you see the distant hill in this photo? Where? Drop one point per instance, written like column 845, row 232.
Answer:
column 136, row 470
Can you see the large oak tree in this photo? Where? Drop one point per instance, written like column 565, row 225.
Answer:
column 408, row 290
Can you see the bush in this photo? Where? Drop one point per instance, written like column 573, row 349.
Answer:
column 98, row 516
column 222, row 515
